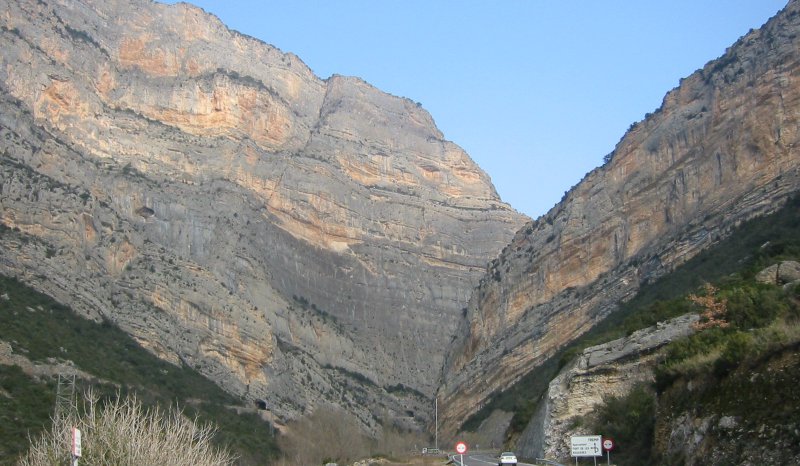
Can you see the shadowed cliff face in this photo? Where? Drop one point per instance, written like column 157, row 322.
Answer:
column 722, row 148
column 294, row 239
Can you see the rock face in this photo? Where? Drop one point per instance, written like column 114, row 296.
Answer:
column 297, row 240
column 611, row 369
column 722, row 148
column 783, row 273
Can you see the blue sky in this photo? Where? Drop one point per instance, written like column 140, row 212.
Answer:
column 537, row 92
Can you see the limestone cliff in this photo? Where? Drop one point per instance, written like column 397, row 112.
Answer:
column 297, row 240
column 722, row 148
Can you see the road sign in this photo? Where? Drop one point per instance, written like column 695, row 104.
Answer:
column 585, row 445
column 608, row 444
column 461, row 448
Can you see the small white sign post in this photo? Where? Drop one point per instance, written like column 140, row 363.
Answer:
column 76, row 445
column 608, row 445
column 461, row 448
column 585, row 445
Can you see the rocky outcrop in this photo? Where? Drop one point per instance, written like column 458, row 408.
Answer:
column 297, row 240
column 608, row 370
column 721, row 149
column 783, row 273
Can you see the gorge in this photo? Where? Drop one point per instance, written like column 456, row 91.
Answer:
column 306, row 242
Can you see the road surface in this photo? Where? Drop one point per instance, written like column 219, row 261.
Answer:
column 478, row 459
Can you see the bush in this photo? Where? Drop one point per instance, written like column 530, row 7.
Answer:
column 688, row 356
column 630, row 421
column 124, row 433
column 738, row 347
column 756, row 306
column 336, row 436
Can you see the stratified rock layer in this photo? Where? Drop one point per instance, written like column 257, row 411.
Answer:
column 722, row 148
column 296, row 240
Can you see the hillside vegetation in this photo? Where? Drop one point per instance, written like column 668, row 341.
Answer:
column 737, row 375
column 47, row 333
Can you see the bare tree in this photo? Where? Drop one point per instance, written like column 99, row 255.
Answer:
column 331, row 434
column 122, row 432
column 327, row 434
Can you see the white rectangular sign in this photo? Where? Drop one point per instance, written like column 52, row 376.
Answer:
column 76, row 442
column 585, row 445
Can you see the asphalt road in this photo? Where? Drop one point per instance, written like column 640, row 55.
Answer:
column 479, row 459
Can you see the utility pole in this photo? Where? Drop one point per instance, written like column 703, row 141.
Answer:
column 66, row 405
column 436, row 421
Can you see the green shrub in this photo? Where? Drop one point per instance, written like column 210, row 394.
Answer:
column 630, row 421
column 738, row 347
column 756, row 305
column 690, row 355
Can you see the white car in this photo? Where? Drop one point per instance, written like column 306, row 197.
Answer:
column 507, row 458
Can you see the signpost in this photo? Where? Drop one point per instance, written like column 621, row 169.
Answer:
column 76, row 445
column 608, row 445
column 461, row 448
column 585, row 445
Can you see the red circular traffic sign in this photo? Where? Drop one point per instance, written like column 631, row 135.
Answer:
column 461, row 448
column 608, row 444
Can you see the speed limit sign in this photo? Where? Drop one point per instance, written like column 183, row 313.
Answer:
column 461, row 448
